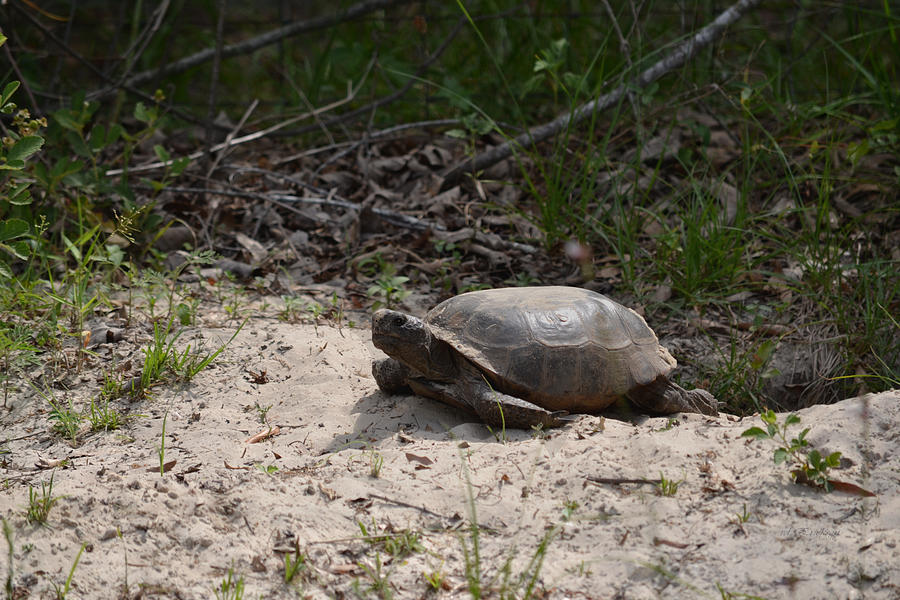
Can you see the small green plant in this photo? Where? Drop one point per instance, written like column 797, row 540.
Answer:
column 397, row 544
column 743, row 516
column 16, row 353
column 667, row 487
column 807, row 465
column 292, row 309
column 569, row 508
column 162, row 447
column 63, row 590
column 376, row 462
column 267, row 469
column 39, row 505
column 10, row 573
column 161, row 356
column 66, row 420
column 262, row 412
column 230, row 588
column 294, row 565
column 435, row 578
column 103, row 417
column 388, row 288
column 380, row 584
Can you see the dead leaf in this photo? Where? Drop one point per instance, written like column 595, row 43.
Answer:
column 419, row 459
column 165, row 468
column 255, row 249
column 263, row 435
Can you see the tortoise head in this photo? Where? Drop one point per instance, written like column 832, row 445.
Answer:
column 408, row 340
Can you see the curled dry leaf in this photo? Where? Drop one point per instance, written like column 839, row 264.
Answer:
column 264, row 435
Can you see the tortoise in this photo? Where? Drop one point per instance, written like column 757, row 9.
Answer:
column 526, row 356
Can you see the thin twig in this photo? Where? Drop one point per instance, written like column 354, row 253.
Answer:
column 621, row 480
column 255, row 43
column 675, row 59
column 351, row 93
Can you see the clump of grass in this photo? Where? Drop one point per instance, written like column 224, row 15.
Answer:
column 376, row 462
column 103, row 417
column 807, row 464
column 380, row 579
column 230, row 588
column 38, row 510
column 667, row 487
column 294, row 565
column 398, row 544
column 66, row 420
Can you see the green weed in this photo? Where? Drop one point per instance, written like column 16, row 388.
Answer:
column 66, row 420
column 294, row 565
column 10, row 572
column 380, row 583
column 230, row 588
column 39, row 505
column 104, row 417
column 667, row 487
column 161, row 451
column 397, row 544
column 806, row 464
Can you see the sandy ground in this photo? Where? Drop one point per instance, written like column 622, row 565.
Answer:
column 231, row 504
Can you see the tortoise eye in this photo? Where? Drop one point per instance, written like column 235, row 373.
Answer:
column 399, row 320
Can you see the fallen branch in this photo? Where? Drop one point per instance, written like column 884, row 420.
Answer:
column 675, row 59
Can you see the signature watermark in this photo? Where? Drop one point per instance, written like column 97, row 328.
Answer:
column 798, row 532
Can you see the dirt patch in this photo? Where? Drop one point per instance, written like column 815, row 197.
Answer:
column 228, row 503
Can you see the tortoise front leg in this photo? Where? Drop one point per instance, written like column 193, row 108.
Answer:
column 391, row 375
column 494, row 408
column 499, row 410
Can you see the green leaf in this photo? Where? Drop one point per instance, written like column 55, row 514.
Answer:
column 756, row 432
column 19, row 195
column 97, row 139
column 5, row 273
column 25, row 147
column 8, row 91
column 19, row 249
column 792, row 418
column 12, row 229
column 815, row 459
column 66, row 119
column 144, row 114
column 780, row 455
column 180, row 165
column 769, row 416
column 78, row 145
column 73, row 249
column 161, row 153
column 834, row 459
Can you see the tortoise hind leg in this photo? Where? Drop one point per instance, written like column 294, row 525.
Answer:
column 664, row 396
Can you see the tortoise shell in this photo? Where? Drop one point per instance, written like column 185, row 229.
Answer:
column 562, row 348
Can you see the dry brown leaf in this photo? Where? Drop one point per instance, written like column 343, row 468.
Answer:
column 263, row 435
column 255, row 249
column 419, row 459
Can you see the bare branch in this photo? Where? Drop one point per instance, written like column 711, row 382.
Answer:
column 675, row 59
column 252, row 44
